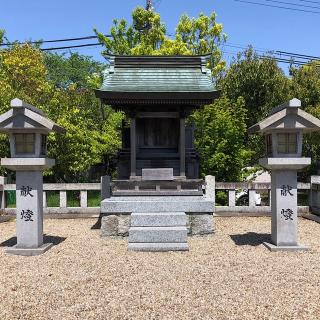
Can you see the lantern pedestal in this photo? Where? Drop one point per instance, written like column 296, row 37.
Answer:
column 28, row 128
column 29, row 206
column 284, row 203
column 283, row 130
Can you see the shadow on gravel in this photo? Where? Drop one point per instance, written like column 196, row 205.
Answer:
column 46, row 239
column 250, row 238
column 97, row 225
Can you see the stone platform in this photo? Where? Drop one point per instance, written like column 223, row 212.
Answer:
column 117, row 212
column 129, row 204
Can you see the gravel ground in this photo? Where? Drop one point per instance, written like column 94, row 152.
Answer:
column 229, row 275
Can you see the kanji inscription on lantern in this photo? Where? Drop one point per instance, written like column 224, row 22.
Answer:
column 26, row 215
column 286, row 190
column 25, row 191
column 287, row 214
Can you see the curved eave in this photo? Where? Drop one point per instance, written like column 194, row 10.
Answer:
column 201, row 98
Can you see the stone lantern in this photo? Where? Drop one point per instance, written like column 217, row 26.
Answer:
column 28, row 128
column 283, row 131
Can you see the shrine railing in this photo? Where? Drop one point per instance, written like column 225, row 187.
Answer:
column 241, row 198
column 61, row 199
column 68, row 200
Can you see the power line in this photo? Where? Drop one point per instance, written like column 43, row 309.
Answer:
column 52, row 41
column 274, row 6
column 231, row 45
column 293, row 4
column 309, row 1
column 303, row 56
column 69, row 47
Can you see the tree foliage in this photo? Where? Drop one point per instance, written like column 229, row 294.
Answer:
column 90, row 139
column 74, row 69
column 1, row 36
column 306, row 87
column 260, row 81
column 92, row 130
column 262, row 85
column 220, row 131
column 146, row 35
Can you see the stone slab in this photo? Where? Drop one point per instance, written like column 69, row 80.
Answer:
column 156, row 204
column 28, row 251
column 157, row 174
column 158, row 234
column 154, row 198
column 285, row 163
column 273, row 247
column 131, row 193
column 31, row 164
column 158, row 247
column 161, row 219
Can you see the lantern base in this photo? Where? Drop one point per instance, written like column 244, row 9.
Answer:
column 27, row 164
column 28, row 251
column 285, row 163
column 273, row 247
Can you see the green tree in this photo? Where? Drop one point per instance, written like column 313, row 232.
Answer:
column 306, row 87
column 220, row 132
column 1, row 36
column 203, row 35
column 92, row 130
column 147, row 36
column 64, row 70
column 306, row 84
column 260, row 81
column 23, row 75
column 90, row 138
column 262, row 85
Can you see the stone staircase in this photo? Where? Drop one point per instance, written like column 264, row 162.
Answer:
column 160, row 231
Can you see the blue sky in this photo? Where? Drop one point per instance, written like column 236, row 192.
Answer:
column 262, row 27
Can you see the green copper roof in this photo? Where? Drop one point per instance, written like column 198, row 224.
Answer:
column 150, row 77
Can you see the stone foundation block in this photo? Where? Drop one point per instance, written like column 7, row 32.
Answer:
column 118, row 225
column 200, row 224
column 115, row 225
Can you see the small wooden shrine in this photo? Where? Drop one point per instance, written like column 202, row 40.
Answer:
column 157, row 93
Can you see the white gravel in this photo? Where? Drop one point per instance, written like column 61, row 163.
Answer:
column 87, row 277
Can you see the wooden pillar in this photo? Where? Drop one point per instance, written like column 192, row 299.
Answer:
column 133, row 147
column 182, row 147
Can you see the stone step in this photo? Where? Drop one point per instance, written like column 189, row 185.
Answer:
column 157, row 204
column 147, row 246
column 153, row 198
column 157, row 234
column 160, row 219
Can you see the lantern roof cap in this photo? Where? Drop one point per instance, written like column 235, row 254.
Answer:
column 17, row 103
column 24, row 116
column 287, row 116
column 293, row 103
